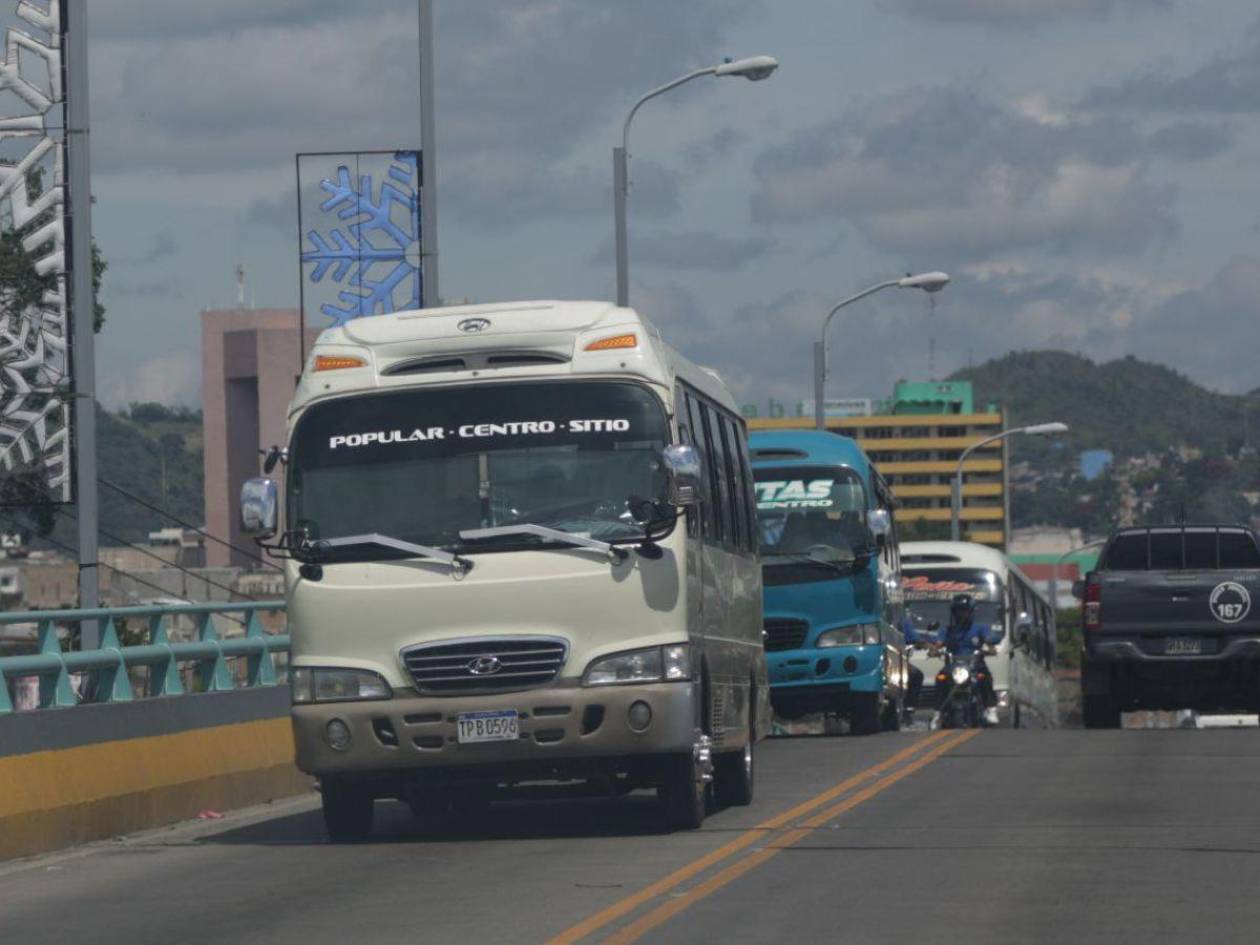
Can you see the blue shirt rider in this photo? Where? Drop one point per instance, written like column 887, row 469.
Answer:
column 963, row 636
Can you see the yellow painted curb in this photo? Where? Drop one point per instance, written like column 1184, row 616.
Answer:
column 53, row 799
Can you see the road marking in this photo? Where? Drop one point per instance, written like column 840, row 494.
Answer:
column 627, row 905
column 644, row 924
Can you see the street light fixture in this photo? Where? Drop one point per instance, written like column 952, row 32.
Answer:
column 1036, row 429
column 754, row 68
column 927, row 281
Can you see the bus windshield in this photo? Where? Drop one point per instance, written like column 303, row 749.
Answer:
column 800, row 508
column 928, row 593
column 424, row 465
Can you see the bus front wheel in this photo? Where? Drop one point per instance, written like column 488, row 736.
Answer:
column 348, row 811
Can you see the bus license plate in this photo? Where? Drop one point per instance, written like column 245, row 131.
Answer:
column 488, row 726
column 1183, row 646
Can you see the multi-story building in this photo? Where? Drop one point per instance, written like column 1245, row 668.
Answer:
column 916, row 440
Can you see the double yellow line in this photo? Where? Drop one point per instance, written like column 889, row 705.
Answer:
column 902, row 764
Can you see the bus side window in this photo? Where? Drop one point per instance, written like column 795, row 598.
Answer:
column 734, row 476
column 707, row 508
column 747, row 498
column 721, row 486
column 686, row 434
column 1052, row 634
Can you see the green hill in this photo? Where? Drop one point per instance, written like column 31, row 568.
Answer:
column 1127, row 406
column 1133, row 408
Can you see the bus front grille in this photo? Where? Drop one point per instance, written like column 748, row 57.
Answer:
column 482, row 664
column 783, row 633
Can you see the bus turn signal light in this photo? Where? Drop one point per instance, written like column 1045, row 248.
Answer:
column 616, row 341
column 336, row 362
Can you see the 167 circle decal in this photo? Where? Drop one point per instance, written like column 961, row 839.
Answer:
column 1230, row 602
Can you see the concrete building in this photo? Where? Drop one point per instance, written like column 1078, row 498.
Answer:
column 915, row 443
column 250, row 363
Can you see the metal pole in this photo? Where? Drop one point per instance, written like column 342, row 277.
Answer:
column 620, row 181
column 82, row 307
column 820, row 382
column 955, row 505
column 428, row 160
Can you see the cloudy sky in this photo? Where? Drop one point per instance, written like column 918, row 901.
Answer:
column 1085, row 169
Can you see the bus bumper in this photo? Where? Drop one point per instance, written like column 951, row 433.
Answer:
column 834, row 679
column 566, row 732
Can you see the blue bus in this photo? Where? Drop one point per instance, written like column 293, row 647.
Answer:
column 832, row 580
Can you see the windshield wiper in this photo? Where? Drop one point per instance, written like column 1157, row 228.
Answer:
column 612, row 552
column 838, row 566
column 453, row 561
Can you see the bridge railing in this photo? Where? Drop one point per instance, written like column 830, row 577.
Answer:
column 107, row 669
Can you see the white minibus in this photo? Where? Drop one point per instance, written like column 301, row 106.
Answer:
column 933, row 572
column 521, row 547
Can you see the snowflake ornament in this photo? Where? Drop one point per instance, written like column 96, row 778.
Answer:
column 374, row 254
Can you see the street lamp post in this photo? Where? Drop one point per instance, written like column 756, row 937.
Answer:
column 927, row 281
column 754, row 69
column 1036, row 429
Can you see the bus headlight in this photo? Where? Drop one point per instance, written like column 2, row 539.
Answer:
column 856, row 635
column 653, row 664
column 332, row 684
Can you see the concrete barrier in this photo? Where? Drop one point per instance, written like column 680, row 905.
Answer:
column 69, row 776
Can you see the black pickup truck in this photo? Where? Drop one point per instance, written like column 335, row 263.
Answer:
column 1170, row 622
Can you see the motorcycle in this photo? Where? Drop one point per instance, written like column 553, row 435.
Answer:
column 959, row 685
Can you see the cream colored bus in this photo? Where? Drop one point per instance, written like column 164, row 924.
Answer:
column 521, row 545
column 933, row 572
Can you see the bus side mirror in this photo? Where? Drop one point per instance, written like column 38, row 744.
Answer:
column 260, row 508
column 880, row 524
column 682, row 465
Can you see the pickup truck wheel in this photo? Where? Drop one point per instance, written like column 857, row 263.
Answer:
column 1101, row 711
column 348, row 811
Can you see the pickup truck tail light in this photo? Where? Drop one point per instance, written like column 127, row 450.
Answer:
column 1093, row 606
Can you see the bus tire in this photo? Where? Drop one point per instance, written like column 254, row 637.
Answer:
column 682, row 792
column 348, row 811
column 893, row 714
column 1100, row 711
column 864, row 719
column 734, row 772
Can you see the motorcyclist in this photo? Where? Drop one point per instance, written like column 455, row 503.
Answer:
column 962, row 638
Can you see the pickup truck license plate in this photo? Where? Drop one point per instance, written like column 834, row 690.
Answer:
column 502, row 726
column 1183, row 646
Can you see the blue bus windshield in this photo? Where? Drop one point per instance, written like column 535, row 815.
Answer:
column 803, row 507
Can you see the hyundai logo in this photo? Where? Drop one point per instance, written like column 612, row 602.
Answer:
column 474, row 325
column 484, row 666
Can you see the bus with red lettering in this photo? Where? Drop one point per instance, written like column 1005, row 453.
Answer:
column 934, row 572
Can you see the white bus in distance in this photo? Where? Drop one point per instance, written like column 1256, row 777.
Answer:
column 1023, row 670
column 521, row 545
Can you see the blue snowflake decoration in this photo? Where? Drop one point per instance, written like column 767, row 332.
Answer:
column 374, row 254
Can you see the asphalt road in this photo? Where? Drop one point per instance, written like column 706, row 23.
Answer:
column 999, row 836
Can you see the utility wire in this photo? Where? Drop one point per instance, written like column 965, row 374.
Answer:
column 126, row 574
column 169, row 564
column 200, row 531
